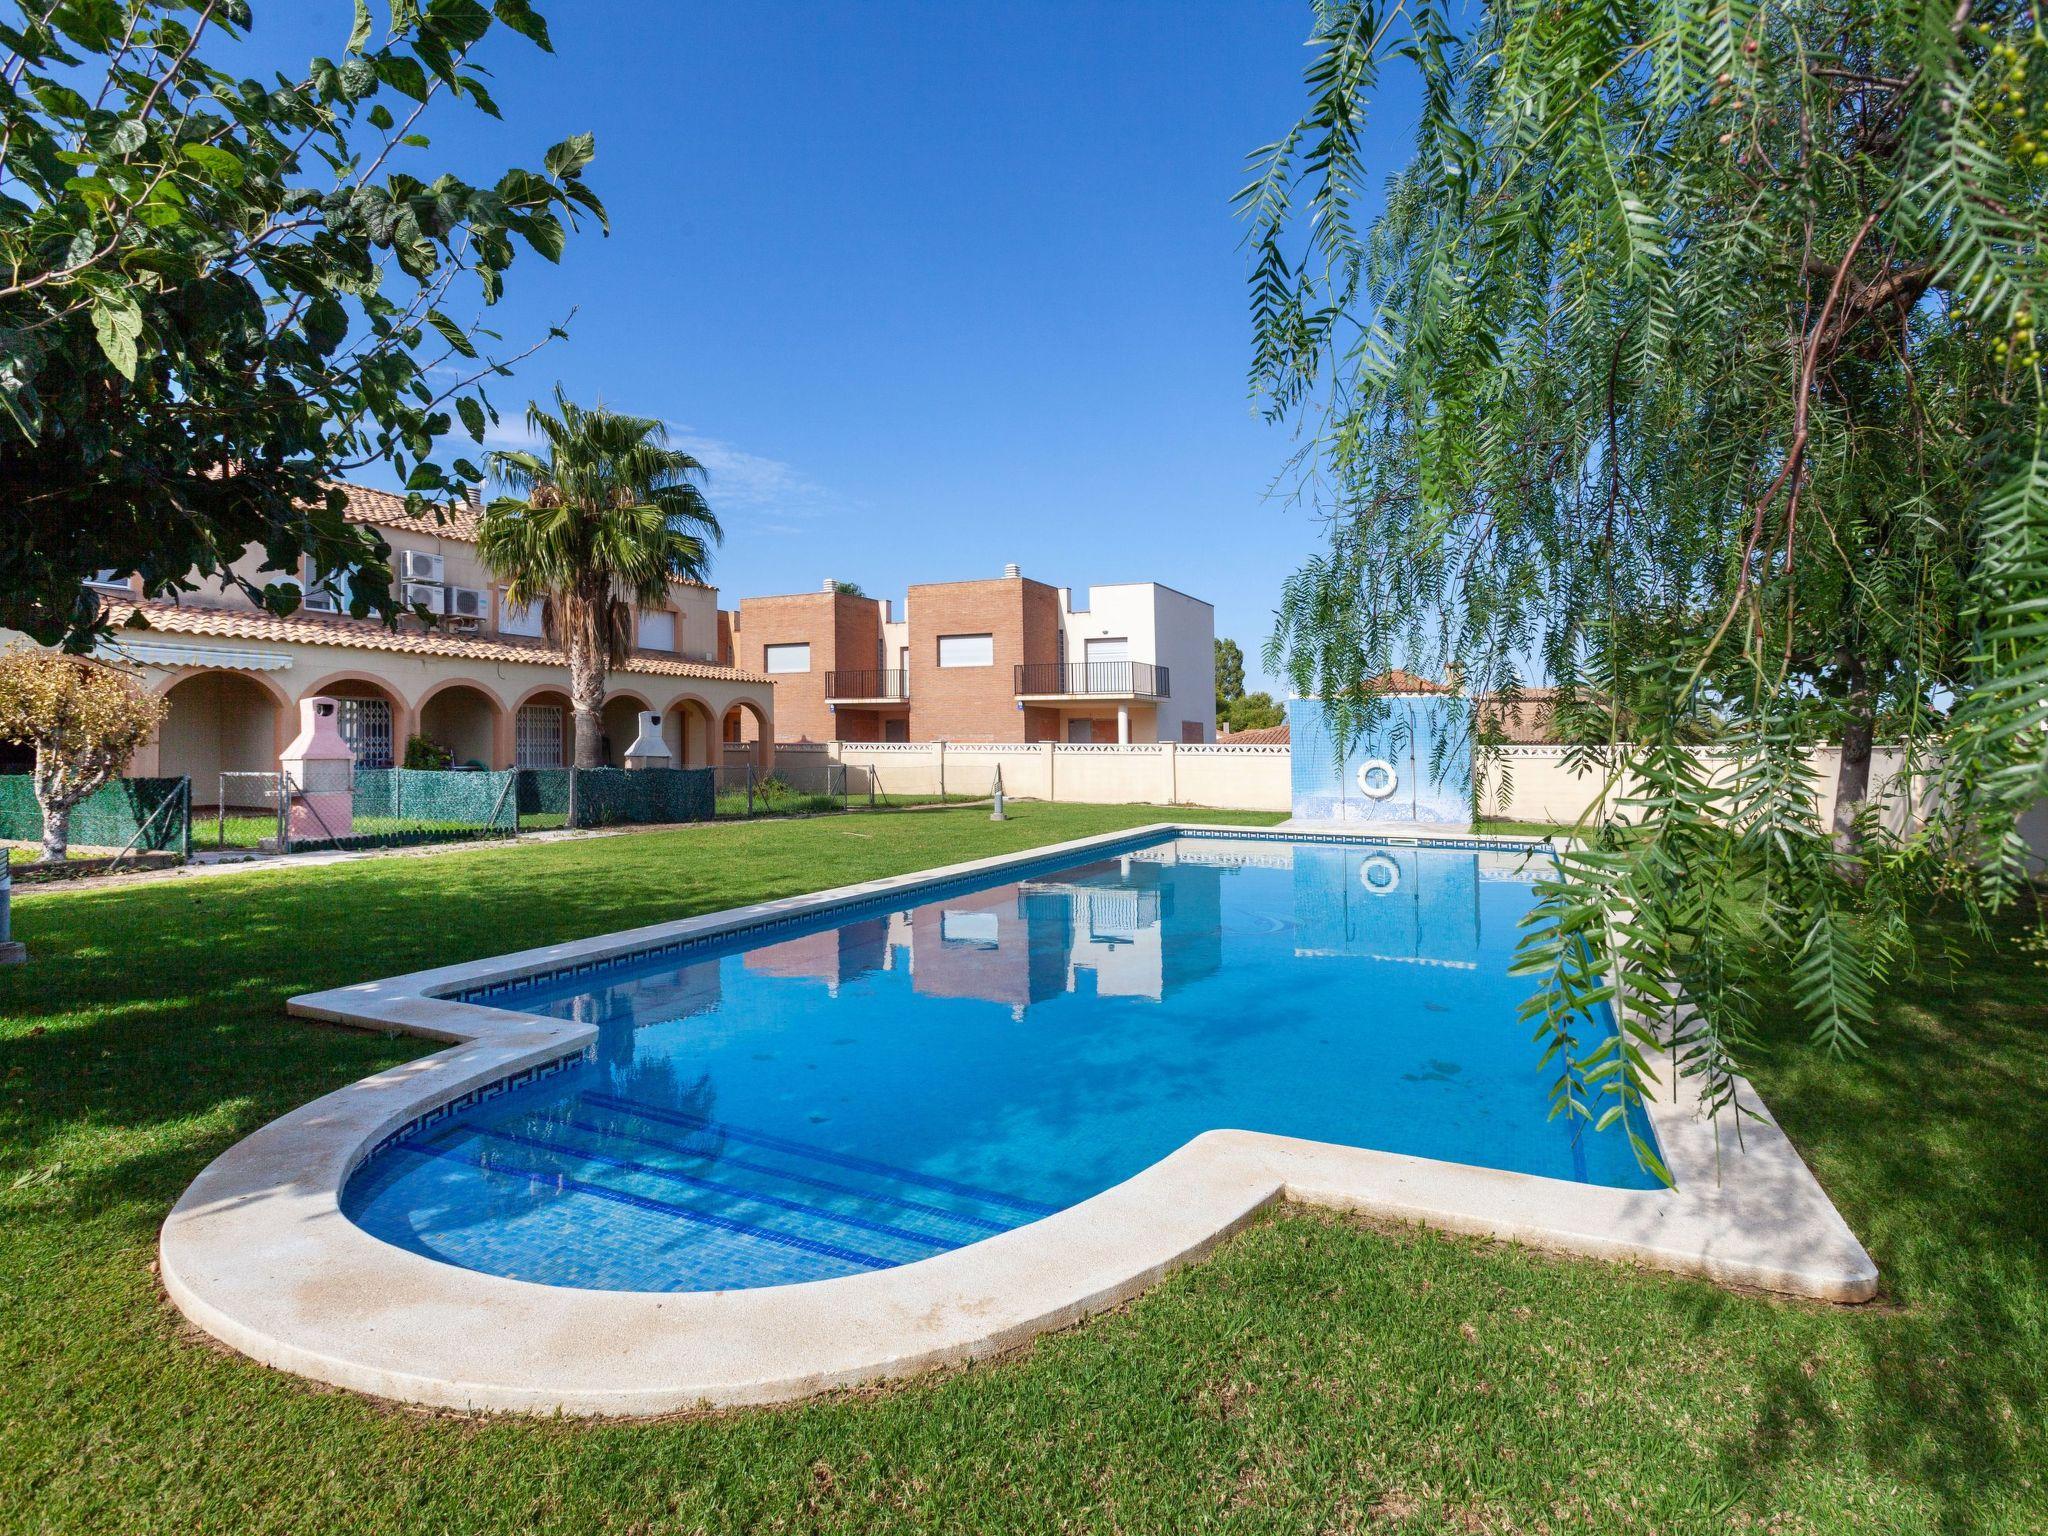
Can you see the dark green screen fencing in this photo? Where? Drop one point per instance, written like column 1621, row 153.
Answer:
column 109, row 818
column 614, row 797
column 395, row 806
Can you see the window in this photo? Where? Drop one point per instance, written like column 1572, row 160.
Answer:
column 540, row 736
column 967, row 650
column 980, row 929
column 325, row 593
column 787, row 658
column 113, row 580
column 518, row 621
column 657, row 629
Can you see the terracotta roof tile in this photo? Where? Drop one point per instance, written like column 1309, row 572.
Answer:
column 1262, row 736
column 369, row 635
column 447, row 520
column 444, row 520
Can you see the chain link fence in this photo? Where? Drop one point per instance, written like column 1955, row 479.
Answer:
column 376, row 808
column 268, row 812
column 790, row 790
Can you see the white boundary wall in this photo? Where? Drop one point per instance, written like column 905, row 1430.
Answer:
column 1249, row 778
column 1540, row 784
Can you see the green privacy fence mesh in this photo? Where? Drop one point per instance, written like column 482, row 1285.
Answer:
column 544, row 792
column 439, row 795
column 395, row 806
column 615, row 797
column 109, row 818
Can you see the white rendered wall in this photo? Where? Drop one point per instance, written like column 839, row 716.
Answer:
column 1144, row 773
column 1165, row 628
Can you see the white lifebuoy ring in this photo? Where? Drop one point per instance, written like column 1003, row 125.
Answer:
column 1386, row 787
column 1379, row 864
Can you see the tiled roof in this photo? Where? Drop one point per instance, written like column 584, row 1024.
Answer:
column 444, row 520
column 1263, row 736
column 447, row 520
column 369, row 635
column 1400, row 681
column 1531, row 720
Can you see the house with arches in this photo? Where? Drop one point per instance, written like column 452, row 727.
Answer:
column 480, row 681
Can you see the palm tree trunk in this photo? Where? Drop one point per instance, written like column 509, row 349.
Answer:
column 587, row 658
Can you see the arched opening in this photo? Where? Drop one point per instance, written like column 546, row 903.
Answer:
column 621, row 717
column 220, row 722
column 692, row 734
column 543, row 732
column 747, row 735
column 373, row 719
column 463, row 720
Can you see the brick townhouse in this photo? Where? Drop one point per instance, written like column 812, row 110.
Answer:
column 1003, row 659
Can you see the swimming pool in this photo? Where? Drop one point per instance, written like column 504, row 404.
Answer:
column 1001, row 1070
column 879, row 1084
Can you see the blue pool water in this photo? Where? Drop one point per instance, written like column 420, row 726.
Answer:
column 879, row 1085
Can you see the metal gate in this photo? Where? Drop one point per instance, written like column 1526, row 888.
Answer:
column 365, row 724
column 540, row 736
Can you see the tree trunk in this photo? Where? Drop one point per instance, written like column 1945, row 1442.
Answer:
column 586, row 684
column 56, row 808
column 1852, row 778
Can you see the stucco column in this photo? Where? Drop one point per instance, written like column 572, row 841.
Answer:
column 504, row 738
column 1123, row 725
column 405, row 724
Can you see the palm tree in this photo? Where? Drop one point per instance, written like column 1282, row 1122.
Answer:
column 607, row 519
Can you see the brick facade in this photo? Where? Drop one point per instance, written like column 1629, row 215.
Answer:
column 844, row 633
column 1022, row 618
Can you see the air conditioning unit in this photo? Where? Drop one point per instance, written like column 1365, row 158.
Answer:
column 468, row 602
column 424, row 594
column 418, row 565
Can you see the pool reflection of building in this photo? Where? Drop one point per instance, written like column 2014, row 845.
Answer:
column 1099, row 930
column 688, row 989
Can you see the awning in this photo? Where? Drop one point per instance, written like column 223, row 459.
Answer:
column 173, row 653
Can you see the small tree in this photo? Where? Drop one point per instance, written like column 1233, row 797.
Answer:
column 85, row 719
column 1229, row 675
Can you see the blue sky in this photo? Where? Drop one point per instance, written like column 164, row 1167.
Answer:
column 929, row 287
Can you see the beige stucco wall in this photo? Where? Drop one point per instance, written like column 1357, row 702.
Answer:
column 691, row 705
column 1541, row 784
column 1162, row 773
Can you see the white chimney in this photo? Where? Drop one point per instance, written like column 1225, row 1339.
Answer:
column 831, row 584
column 1011, row 572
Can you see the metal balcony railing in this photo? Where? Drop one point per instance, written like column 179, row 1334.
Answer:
column 867, row 685
column 1123, row 679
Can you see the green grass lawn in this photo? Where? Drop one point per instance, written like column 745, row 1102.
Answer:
column 1314, row 1375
